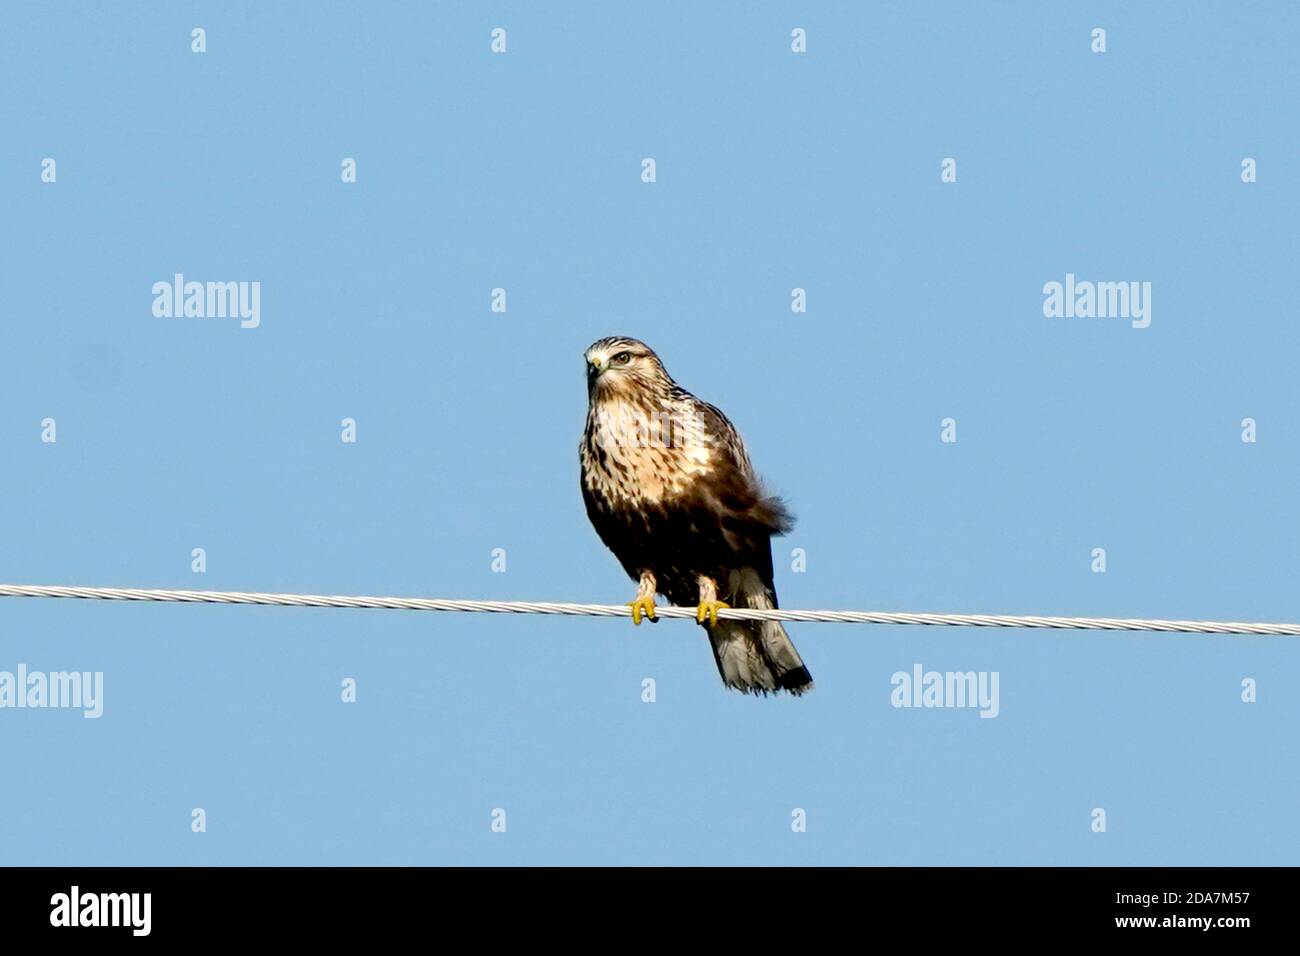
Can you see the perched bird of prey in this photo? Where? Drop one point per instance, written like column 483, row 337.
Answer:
column 670, row 490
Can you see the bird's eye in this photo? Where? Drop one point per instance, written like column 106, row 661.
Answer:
column 622, row 358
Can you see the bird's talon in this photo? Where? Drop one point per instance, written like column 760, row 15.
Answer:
column 709, row 609
column 641, row 605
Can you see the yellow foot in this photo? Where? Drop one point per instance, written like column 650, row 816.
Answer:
column 640, row 605
column 709, row 609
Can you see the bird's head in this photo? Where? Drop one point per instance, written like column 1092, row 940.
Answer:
column 620, row 365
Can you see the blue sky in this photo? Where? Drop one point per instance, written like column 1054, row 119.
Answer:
column 522, row 171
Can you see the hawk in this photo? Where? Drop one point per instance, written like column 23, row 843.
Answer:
column 670, row 490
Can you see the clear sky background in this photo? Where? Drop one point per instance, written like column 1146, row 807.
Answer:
column 523, row 171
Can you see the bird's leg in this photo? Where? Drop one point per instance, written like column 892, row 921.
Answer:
column 709, row 603
column 645, row 599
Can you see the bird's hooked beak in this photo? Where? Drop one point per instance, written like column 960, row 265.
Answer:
column 595, row 365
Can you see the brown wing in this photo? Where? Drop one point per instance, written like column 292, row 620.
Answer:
column 731, row 509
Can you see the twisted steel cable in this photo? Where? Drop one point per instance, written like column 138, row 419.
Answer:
column 620, row 610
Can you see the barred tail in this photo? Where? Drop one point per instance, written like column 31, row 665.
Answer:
column 757, row 657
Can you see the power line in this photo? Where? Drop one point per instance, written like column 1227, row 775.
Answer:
column 620, row 610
